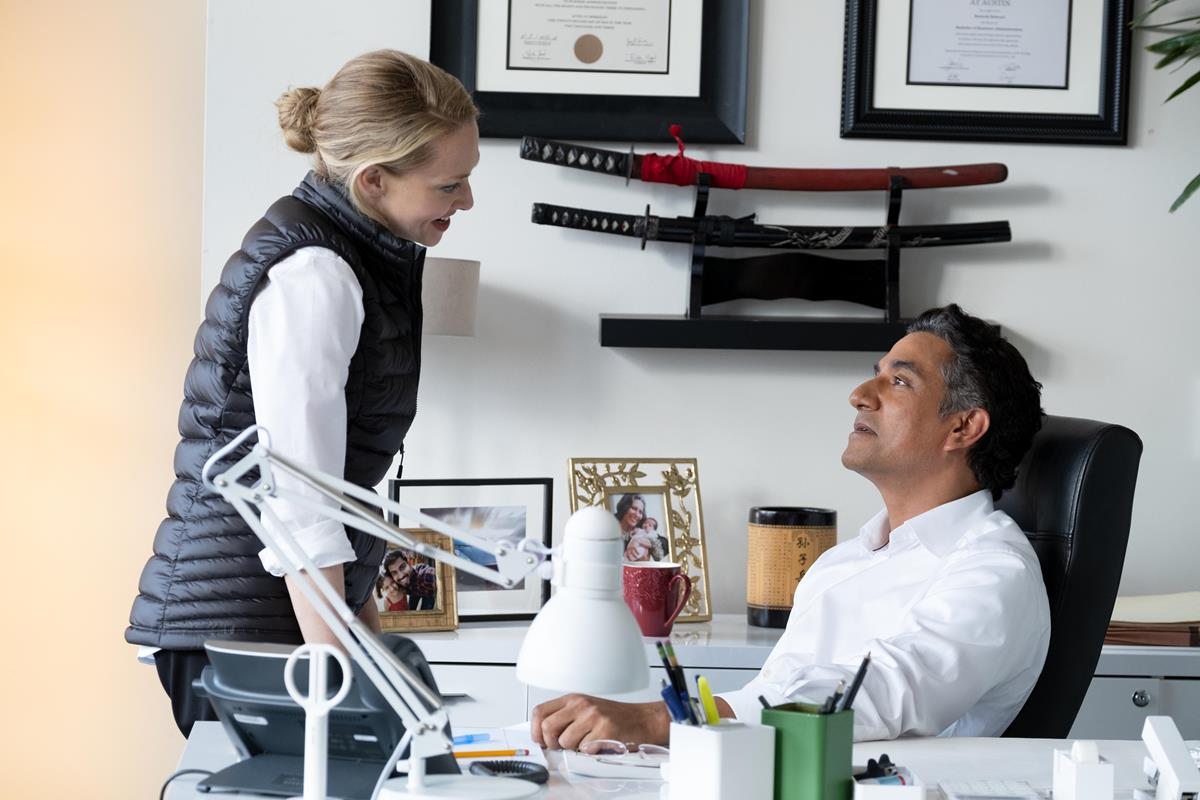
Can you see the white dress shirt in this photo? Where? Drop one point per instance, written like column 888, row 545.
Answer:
column 952, row 609
column 303, row 330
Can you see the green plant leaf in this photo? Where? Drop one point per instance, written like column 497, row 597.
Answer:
column 1180, row 41
column 1187, row 192
column 1172, row 57
column 1137, row 23
column 1189, row 83
column 1165, row 25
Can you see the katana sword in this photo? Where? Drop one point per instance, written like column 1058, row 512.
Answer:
column 725, row 231
column 683, row 171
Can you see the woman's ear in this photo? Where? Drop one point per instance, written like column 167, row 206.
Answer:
column 371, row 182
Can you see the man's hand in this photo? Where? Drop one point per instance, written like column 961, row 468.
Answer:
column 566, row 722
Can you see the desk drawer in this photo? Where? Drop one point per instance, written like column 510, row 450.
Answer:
column 481, row 696
column 1110, row 708
column 721, row 680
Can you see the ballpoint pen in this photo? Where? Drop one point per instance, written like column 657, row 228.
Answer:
column 472, row 738
column 675, row 675
column 673, row 706
column 831, row 702
column 680, row 683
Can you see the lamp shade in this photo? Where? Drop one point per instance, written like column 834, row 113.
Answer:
column 449, row 295
column 585, row 638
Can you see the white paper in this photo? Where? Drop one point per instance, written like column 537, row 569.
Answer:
column 590, row 35
column 892, row 89
column 532, row 47
column 514, row 737
column 1023, row 43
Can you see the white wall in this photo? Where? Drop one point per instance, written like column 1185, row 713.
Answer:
column 1096, row 289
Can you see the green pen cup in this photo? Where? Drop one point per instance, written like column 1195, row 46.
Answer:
column 813, row 752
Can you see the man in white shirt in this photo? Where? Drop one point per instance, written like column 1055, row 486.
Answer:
column 943, row 590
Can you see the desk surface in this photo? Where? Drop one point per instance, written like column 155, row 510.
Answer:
column 932, row 760
column 728, row 642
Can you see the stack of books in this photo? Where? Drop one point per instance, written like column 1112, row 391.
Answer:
column 1171, row 620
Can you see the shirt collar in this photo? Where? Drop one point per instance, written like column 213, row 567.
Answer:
column 938, row 529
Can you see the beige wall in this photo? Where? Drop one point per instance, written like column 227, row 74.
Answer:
column 101, row 122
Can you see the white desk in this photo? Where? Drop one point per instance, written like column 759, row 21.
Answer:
column 475, row 670
column 930, row 759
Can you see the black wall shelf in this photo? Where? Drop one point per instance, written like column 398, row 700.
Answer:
column 749, row 333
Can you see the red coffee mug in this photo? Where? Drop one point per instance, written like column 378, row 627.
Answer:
column 649, row 589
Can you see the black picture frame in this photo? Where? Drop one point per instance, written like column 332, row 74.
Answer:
column 861, row 119
column 546, row 502
column 717, row 116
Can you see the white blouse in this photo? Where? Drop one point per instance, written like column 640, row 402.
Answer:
column 303, row 330
column 952, row 609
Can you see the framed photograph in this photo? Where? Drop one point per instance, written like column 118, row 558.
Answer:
column 578, row 69
column 656, row 502
column 413, row 591
column 492, row 508
column 1053, row 71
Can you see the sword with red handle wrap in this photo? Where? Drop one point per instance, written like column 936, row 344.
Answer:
column 745, row 232
column 683, row 171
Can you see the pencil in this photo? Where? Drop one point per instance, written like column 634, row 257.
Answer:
column 490, row 753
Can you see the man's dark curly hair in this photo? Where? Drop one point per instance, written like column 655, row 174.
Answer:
column 986, row 371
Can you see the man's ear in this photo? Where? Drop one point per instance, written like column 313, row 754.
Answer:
column 969, row 428
column 371, row 183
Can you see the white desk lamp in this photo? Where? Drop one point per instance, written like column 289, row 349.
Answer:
column 584, row 639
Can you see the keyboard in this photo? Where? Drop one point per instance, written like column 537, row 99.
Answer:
column 988, row 790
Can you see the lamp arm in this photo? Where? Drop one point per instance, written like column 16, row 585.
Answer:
column 419, row 708
column 514, row 560
column 402, row 689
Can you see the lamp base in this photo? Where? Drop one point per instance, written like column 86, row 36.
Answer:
column 473, row 786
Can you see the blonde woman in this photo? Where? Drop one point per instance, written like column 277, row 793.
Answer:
column 314, row 332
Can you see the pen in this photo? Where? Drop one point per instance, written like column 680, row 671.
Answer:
column 706, row 701
column 832, row 701
column 764, row 702
column 672, row 700
column 681, row 683
column 848, row 698
column 675, row 675
column 520, row 751
column 472, row 738
column 697, row 711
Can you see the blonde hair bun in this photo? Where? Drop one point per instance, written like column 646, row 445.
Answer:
column 297, row 117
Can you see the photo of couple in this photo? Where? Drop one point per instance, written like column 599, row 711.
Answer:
column 639, row 516
column 406, row 582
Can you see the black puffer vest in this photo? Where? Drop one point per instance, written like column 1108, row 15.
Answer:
column 205, row 579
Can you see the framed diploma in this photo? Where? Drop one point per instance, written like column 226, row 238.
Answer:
column 987, row 70
column 579, row 69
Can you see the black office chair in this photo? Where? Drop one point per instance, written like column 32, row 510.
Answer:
column 1073, row 498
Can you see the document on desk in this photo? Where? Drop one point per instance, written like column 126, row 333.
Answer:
column 627, row 767
column 514, row 737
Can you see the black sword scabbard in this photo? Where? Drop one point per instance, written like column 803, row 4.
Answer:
column 745, row 232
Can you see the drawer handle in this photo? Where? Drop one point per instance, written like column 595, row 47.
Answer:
column 1141, row 698
column 454, row 698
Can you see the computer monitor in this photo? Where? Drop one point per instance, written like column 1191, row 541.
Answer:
column 244, row 683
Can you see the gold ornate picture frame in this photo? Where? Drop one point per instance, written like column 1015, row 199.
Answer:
column 414, row 592
column 667, row 487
